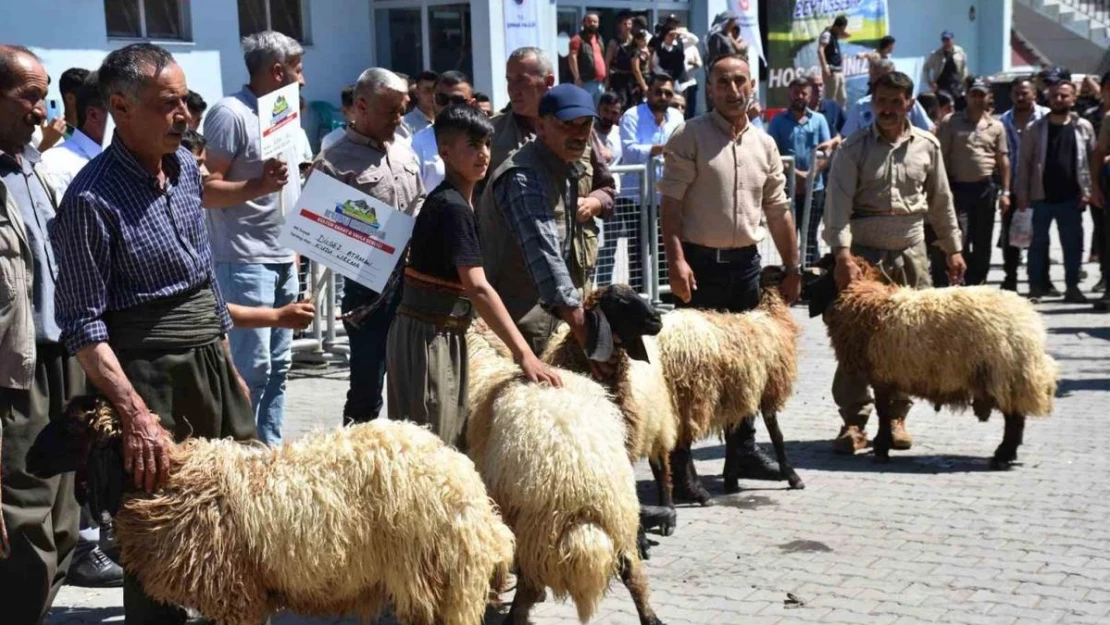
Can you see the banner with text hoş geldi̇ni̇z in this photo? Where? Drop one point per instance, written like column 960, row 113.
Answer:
column 794, row 28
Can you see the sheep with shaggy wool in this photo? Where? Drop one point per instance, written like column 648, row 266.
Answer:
column 956, row 347
column 553, row 460
column 639, row 387
column 349, row 521
column 722, row 367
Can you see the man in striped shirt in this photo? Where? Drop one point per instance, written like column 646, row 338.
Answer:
column 137, row 299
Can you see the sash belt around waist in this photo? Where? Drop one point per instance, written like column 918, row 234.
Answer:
column 179, row 321
column 439, row 305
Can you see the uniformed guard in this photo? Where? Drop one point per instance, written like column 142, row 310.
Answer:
column 887, row 181
column 974, row 147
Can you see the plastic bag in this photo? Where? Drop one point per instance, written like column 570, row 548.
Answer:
column 1021, row 229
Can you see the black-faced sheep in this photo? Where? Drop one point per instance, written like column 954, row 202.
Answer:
column 554, row 461
column 956, row 347
column 348, row 521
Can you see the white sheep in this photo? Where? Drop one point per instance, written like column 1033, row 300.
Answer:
column 554, row 461
column 347, row 521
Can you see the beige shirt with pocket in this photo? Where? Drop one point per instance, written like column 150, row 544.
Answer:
column 388, row 172
column 726, row 184
column 971, row 149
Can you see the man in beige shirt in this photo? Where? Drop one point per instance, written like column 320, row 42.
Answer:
column 369, row 159
column 721, row 177
column 886, row 181
column 974, row 147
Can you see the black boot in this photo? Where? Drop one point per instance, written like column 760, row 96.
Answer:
column 91, row 568
column 687, row 486
column 744, row 459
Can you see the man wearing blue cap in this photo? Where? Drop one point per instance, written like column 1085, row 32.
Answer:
column 538, row 245
column 946, row 68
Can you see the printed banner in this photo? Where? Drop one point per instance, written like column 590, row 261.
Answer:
column 794, row 30
column 522, row 29
column 748, row 10
column 279, row 120
column 349, row 232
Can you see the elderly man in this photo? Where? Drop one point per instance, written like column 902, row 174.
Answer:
column 244, row 193
column 862, row 113
column 138, row 301
column 974, row 147
column 369, row 159
column 37, row 377
column 946, row 68
column 451, row 88
column 886, row 183
column 721, row 177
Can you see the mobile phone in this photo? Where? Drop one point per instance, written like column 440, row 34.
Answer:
column 52, row 110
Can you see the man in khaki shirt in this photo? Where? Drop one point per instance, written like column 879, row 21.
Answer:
column 721, row 176
column 886, row 181
column 974, row 147
column 368, row 159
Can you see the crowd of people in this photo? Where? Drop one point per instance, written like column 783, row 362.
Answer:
column 149, row 271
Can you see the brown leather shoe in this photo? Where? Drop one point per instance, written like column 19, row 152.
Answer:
column 852, row 438
column 901, row 439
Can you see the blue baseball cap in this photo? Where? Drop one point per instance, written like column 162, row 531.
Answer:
column 567, row 102
column 947, row 35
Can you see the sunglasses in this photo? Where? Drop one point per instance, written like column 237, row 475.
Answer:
column 442, row 99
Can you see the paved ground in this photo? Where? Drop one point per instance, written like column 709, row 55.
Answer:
column 933, row 537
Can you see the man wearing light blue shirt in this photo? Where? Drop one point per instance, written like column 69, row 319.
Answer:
column 451, row 88
column 644, row 130
column 860, row 114
column 797, row 131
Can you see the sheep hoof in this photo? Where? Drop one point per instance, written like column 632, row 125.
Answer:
column 662, row 518
column 881, row 457
column 652, row 620
column 796, row 482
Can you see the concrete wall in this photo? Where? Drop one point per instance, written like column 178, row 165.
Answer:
column 917, row 26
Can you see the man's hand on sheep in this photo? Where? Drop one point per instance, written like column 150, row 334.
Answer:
column 846, row 270
column 683, row 282
column 536, row 371
column 956, row 268
column 145, row 447
column 791, row 287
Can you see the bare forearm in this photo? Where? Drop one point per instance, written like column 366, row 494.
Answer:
column 785, row 237
column 253, row 316
column 572, row 61
column 1004, row 172
column 104, row 370
column 223, row 193
column 493, row 311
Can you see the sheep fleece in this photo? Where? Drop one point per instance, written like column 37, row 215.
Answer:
column 554, row 460
column 949, row 346
column 347, row 521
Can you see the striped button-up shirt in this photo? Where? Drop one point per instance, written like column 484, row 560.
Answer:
column 123, row 240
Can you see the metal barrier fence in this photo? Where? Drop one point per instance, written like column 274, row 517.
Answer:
column 631, row 251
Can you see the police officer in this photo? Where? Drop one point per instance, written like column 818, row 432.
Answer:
column 974, row 147
column 886, row 183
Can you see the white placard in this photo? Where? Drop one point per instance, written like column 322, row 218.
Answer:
column 349, row 232
column 522, row 29
column 279, row 120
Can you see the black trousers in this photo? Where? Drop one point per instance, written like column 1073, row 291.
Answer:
column 41, row 513
column 816, row 211
column 975, row 206
column 731, row 286
column 368, row 352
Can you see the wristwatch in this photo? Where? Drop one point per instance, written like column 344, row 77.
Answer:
column 1005, row 194
column 793, row 270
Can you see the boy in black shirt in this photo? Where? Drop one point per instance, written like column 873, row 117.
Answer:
column 444, row 280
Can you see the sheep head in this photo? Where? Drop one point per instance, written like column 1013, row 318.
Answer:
column 819, row 283
column 630, row 317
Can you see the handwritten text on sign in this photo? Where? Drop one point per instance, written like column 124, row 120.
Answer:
column 279, row 120
column 349, row 232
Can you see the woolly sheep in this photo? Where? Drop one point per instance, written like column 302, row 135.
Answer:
column 956, row 347
column 553, row 460
column 722, row 367
column 346, row 521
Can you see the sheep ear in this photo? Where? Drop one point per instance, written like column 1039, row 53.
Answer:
column 821, row 294
column 56, row 450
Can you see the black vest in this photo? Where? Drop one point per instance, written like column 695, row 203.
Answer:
column 586, row 70
column 832, row 50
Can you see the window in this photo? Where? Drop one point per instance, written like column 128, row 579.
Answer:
column 146, row 19
column 449, row 26
column 400, row 45
column 284, row 16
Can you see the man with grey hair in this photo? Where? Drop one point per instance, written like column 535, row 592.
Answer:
column 369, row 158
column 244, row 195
column 37, row 376
column 137, row 299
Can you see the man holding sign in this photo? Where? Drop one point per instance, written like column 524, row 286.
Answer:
column 368, row 159
column 244, row 191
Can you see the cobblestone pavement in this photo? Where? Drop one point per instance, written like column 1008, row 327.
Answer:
column 933, row 537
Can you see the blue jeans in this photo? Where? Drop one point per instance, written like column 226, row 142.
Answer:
column 1069, row 220
column 261, row 355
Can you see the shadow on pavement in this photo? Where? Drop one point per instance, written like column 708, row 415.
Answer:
column 84, row 616
column 1098, row 333
column 1068, row 386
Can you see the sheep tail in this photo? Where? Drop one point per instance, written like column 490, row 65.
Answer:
column 589, row 560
